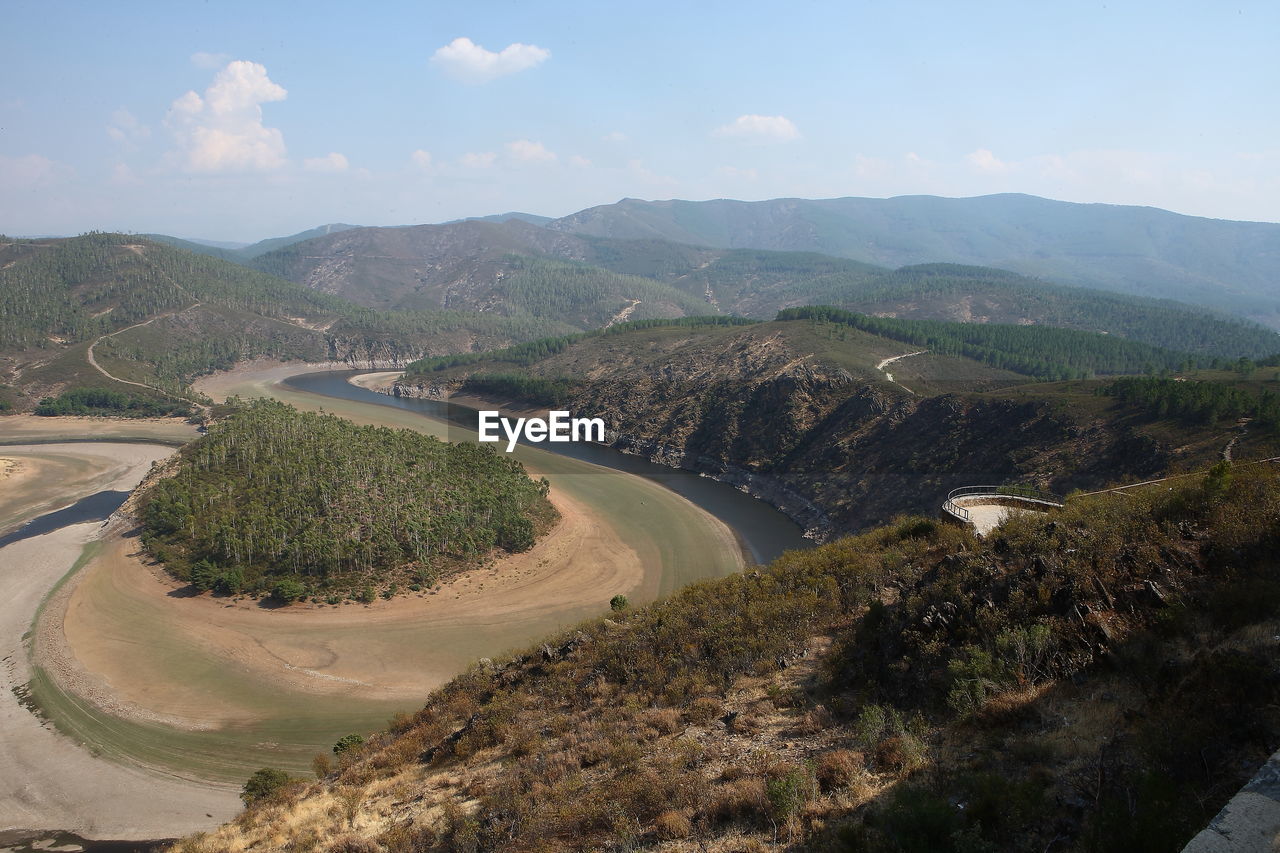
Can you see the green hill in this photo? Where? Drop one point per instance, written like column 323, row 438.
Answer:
column 1230, row 266
column 515, row 266
column 298, row 504
column 506, row 267
column 160, row 316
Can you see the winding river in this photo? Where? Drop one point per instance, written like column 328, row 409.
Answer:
column 764, row 532
column 210, row 689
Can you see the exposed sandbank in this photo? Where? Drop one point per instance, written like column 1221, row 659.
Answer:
column 51, row 782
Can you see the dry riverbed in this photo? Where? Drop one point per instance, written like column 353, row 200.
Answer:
column 50, row 782
column 215, row 687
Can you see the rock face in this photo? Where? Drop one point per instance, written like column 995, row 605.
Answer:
column 835, row 452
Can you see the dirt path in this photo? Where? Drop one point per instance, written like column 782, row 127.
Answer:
column 50, row 782
column 93, row 362
column 621, row 316
column 888, row 361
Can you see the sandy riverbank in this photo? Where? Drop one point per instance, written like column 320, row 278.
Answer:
column 105, row 632
column 211, row 685
column 196, row 682
column 23, row 429
column 49, row 781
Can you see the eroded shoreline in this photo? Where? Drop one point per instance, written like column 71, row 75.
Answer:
column 117, row 630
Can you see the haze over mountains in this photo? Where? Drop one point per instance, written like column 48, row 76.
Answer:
column 1140, row 250
column 1226, row 265
column 514, row 277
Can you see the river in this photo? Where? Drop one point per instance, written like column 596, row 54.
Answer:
column 763, row 530
column 150, row 644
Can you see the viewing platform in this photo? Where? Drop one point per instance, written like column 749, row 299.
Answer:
column 986, row 506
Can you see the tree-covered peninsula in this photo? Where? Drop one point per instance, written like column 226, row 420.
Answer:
column 273, row 500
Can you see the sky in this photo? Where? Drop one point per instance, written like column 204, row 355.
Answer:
column 239, row 121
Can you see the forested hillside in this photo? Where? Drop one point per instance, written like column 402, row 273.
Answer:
column 298, row 504
column 509, row 267
column 1231, row 266
column 1100, row 679
column 951, row 292
column 842, row 420
column 515, row 266
column 1041, row 352
column 160, row 316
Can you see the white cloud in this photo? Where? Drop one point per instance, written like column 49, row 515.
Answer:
column 478, row 159
column 223, row 130
column 615, row 136
column 465, row 60
column 527, row 151
column 984, row 161
column 125, row 128
column 122, row 175
column 733, row 172
column 767, row 128
column 580, row 162
column 333, row 162
column 421, row 159
column 29, row 170
column 210, row 61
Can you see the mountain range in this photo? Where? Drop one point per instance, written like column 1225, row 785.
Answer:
column 1228, row 266
column 395, row 293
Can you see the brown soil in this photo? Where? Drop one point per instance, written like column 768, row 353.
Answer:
column 318, row 648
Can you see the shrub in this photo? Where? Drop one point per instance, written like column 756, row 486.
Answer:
column 703, row 710
column 665, row 720
column 838, row 768
column 741, row 798
column 788, row 793
column 262, row 784
column 288, row 591
column 870, row 725
column 347, row 742
column 619, row 603
column 672, row 825
column 352, row 843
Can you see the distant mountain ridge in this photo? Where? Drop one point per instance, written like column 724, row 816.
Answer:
column 244, row 252
column 1228, row 265
column 588, row 281
column 106, row 310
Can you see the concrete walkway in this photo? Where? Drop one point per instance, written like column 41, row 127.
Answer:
column 985, row 517
column 1250, row 823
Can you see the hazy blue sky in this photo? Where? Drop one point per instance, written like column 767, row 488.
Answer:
column 239, row 121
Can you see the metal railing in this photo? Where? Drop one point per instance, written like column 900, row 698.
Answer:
column 1026, row 493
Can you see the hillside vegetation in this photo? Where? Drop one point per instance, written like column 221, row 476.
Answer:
column 1042, row 352
column 516, row 266
column 298, row 504
column 759, row 283
column 797, row 412
column 161, row 316
column 1100, row 679
column 1230, row 266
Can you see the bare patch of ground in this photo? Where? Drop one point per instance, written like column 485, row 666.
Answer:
column 49, row 781
column 22, row 429
column 122, row 612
